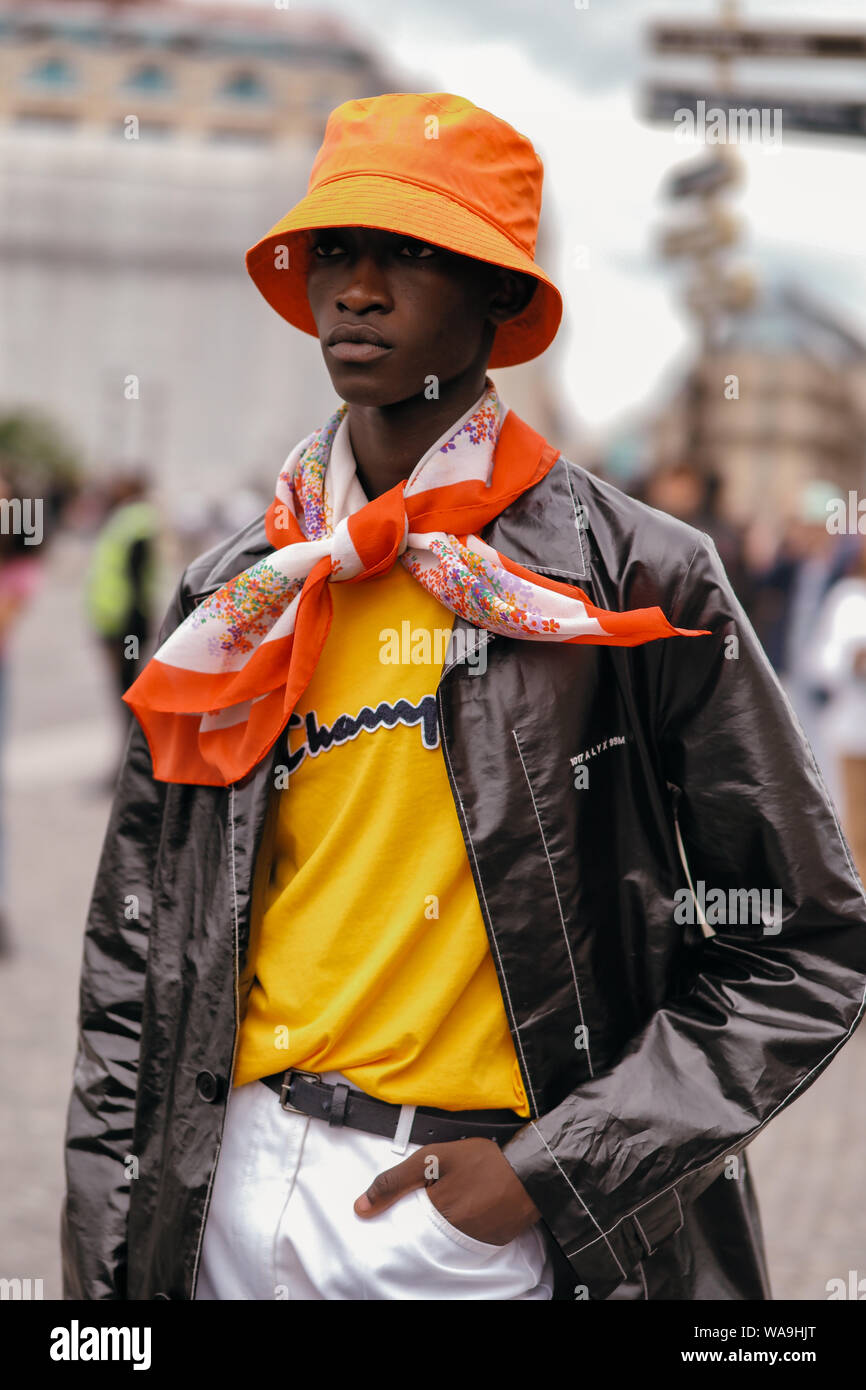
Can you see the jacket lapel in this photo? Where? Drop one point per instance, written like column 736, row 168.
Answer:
column 545, row 528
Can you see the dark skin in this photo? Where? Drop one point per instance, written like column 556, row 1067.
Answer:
column 438, row 313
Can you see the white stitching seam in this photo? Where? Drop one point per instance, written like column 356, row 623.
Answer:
column 556, row 895
column 601, row 1235
column 465, row 822
column 648, row 1203
column 723, row 1153
column 459, row 660
column 579, row 529
column 705, row 926
column 235, row 943
column 643, row 1235
column 549, row 569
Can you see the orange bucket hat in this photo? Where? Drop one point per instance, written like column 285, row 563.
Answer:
column 429, row 165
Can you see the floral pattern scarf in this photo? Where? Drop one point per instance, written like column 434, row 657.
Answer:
column 219, row 691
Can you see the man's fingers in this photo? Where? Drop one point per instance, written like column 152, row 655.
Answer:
column 391, row 1184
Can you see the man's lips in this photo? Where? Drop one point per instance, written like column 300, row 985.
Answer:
column 356, row 343
column 348, row 351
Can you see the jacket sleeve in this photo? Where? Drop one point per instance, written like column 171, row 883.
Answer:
column 763, row 1006
column 102, row 1103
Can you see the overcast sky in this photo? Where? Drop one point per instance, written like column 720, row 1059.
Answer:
column 569, row 78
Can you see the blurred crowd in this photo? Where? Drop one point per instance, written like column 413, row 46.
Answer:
column 134, row 554
column 804, row 589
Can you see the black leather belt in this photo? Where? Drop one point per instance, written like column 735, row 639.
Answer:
column 339, row 1104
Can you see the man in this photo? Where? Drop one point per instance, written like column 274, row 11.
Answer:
column 394, row 985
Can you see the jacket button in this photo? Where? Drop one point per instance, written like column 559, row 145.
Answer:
column 208, row 1085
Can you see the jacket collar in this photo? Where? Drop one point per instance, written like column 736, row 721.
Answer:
column 545, row 529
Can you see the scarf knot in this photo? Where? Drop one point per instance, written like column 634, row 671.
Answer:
column 368, row 542
column 219, row 691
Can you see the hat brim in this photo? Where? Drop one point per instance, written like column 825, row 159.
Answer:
column 278, row 263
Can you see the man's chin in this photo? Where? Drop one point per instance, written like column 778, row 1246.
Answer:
column 361, row 384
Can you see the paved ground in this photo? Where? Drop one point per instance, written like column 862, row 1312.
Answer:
column 809, row 1163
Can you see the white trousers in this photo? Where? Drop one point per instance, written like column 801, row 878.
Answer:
column 281, row 1223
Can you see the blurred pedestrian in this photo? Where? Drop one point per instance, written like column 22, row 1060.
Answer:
column 789, row 595
column 683, row 490
column 840, row 668
column 120, row 586
column 21, row 574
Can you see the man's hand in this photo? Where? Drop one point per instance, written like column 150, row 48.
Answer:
column 468, row 1180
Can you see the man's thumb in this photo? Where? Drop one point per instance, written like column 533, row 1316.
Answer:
column 393, row 1183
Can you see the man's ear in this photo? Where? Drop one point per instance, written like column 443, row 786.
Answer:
column 511, row 292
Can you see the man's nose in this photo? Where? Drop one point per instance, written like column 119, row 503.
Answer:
column 365, row 287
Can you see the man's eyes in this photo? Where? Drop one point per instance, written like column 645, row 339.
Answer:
column 323, row 246
column 417, row 250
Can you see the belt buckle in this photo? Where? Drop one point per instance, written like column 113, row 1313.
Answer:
column 287, row 1081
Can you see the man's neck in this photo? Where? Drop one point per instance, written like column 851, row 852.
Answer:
column 388, row 441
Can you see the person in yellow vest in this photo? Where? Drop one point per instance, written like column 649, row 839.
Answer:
column 121, row 580
column 22, row 575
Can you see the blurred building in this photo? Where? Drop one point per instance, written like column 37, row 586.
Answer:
column 127, row 310
column 219, row 72
column 532, row 390
column 799, row 411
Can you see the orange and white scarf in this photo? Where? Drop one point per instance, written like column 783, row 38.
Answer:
column 219, row 691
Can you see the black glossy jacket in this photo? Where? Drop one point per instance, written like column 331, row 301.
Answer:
column 652, row 1052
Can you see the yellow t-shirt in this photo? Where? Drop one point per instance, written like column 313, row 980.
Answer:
column 368, row 951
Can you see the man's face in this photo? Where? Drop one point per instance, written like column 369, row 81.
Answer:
column 424, row 311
